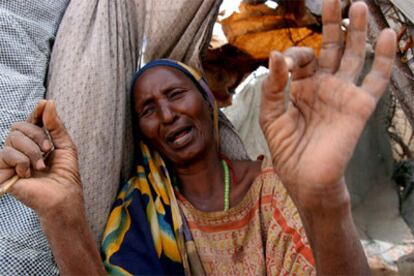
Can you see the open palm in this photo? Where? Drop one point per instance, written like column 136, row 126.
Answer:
column 312, row 140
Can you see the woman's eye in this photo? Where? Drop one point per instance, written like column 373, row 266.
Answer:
column 148, row 110
column 175, row 94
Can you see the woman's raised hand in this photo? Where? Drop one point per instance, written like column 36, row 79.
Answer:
column 313, row 139
column 41, row 153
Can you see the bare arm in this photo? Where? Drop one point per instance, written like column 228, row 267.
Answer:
column 334, row 241
column 51, row 187
column 312, row 140
column 73, row 246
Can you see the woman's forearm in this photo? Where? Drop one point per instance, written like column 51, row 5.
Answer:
column 73, row 246
column 334, row 241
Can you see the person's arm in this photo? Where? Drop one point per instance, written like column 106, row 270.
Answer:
column 334, row 241
column 49, row 183
column 73, row 246
column 312, row 139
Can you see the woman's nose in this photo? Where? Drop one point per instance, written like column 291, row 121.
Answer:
column 167, row 115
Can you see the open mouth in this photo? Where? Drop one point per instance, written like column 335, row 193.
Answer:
column 180, row 137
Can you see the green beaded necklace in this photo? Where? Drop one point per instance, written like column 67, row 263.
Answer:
column 227, row 179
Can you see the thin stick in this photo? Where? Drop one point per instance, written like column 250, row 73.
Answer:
column 6, row 187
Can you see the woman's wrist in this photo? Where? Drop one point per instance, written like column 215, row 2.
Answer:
column 73, row 244
column 70, row 221
column 332, row 202
column 334, row 240
column 71, row 239
column 327, row 218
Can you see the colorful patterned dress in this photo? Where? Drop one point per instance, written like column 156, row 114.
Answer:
column 262, row 235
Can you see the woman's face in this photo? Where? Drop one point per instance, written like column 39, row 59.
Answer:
column 173, row 115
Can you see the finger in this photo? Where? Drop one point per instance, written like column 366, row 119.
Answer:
column 301, row 62
column 57, row 131
column 36, row 116
column 377, row 79
column 24, row 144
column 332, row 37
column 354, row 56
column 11, row 158
column 35, row 133
column 272, row 105
column 5, row 175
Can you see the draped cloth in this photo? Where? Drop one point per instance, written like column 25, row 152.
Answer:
column 99, row 45
column 143, row 235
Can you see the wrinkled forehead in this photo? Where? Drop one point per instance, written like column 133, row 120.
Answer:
column 167, row 75
column 160, row 78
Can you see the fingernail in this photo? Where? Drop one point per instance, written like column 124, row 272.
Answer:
column 273, row 55
column 40, row 164
column 289, row 62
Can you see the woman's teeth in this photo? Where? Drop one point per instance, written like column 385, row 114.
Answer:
column 182, row 137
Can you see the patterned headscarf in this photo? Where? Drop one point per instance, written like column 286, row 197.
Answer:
column 145, row 232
